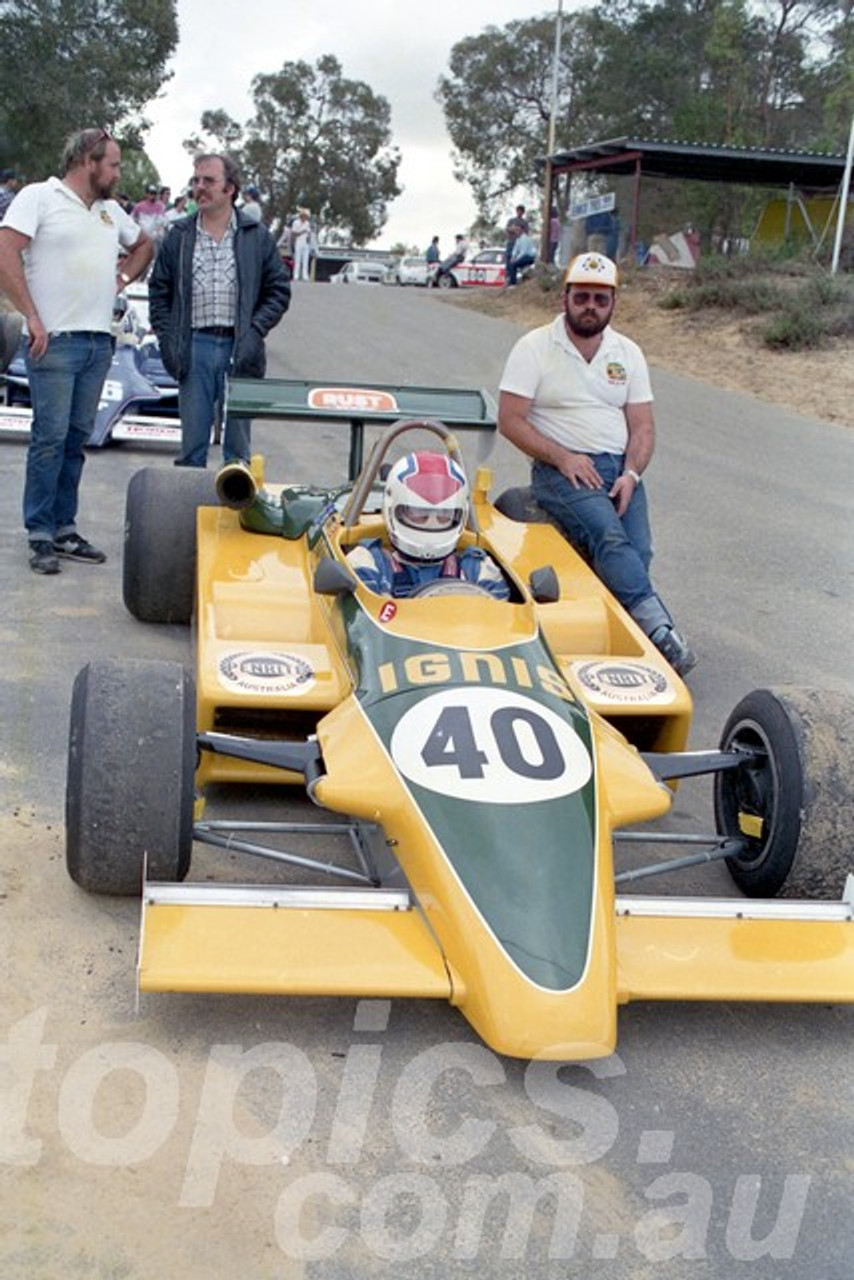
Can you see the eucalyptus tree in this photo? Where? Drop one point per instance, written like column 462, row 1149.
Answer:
column 73, row 64
column 316, row 140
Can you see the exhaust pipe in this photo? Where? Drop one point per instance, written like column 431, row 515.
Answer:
column 241, row 488
column 236, row 486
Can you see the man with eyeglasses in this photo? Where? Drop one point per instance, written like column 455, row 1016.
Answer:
column 59, row 265
column 576, row 398
column 217, row 288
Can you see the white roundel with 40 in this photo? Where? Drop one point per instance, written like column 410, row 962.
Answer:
column 489, row 745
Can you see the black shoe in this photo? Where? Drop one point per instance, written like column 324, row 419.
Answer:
column 73, row 547
column 675, row 649
column 43, row 558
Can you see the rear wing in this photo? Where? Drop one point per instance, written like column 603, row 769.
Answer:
column 291, row 399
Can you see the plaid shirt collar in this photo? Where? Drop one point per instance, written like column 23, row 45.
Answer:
column 214, row 278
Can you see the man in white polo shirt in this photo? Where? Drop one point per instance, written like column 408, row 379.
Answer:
column 576, row 398
column 59, row 265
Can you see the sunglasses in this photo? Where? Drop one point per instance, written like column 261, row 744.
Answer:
column 581, row 297
column 88, row 141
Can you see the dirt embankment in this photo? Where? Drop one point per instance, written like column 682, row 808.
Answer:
column 709, row 345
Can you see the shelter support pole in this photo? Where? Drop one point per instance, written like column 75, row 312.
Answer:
column 787, row 227
column 633, row 238
column 843, row 202
column 547, row 210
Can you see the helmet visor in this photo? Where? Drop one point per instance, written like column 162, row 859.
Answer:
column 433, row 518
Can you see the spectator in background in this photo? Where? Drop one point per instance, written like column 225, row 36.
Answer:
column 301, row 241
column 461, row 248
column 520, row 219
column 178, row 210
column 8, row 187
column 285, row 245
column 515, row 225
column 150, row 215
column 313, row 244
column 251, row 202
column 603, row 232
column 522, row 254
column 432, row 255
column 148, row 212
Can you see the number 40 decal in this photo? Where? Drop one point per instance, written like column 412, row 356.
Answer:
column 452, row 742
column 491, row 746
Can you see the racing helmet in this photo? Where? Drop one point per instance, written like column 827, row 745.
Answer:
column 425, row 503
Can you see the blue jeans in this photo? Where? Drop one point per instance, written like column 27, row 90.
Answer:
column 200, row 396
column 65, row 387
column 620, row 547
column 519, row 264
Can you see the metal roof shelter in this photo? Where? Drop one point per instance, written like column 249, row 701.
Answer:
column 808, row 171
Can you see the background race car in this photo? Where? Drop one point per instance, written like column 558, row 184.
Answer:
column 139, row 400
column 486, row 267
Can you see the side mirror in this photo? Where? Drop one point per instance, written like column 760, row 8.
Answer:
column 333, row 579
column 544, row 585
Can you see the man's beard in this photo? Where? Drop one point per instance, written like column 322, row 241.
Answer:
column 587, row 323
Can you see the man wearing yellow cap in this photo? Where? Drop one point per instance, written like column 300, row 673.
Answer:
column 576, row 398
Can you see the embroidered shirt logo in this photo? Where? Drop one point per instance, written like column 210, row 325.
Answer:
column 616, row 372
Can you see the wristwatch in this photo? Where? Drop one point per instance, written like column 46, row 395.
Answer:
column 633, row 474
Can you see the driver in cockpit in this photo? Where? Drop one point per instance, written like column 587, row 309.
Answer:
column 425, row 505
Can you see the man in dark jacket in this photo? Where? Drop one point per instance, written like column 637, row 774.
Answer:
column 217, row 289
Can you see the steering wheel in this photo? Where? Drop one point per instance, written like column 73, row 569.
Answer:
column 450, row 587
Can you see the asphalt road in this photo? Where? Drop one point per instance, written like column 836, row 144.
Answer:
column 207, row 1136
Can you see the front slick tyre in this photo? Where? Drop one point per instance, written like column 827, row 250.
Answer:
column 131, row 764
column 792, row 803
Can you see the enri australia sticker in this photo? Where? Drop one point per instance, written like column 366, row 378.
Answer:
column 620, row 681
column 263, row 672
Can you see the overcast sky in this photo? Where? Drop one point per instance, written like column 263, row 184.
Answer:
column 399, row 49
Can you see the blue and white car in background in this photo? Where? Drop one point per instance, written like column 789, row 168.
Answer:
column 139, row 400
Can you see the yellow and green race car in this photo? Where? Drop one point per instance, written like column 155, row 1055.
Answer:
column 474, row 762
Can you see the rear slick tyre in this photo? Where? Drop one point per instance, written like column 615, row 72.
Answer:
column 159, row 566
column 131, row 764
